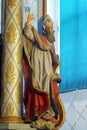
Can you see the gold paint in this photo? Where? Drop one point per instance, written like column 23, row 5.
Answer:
column 10, row 74
column 12, row 63
column 18, row 97
column 18, row 94
column 63, row 114
column 11, row 119
column 19, row 16
column 11, row 34
column 12, row 3
column 3, row 95
column 9, row 109
column 18, row 55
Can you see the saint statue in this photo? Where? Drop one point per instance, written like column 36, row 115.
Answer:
column 40, row 63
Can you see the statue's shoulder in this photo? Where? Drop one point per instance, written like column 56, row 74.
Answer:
column 43, row 38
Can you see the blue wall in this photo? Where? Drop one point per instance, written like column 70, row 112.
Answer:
column 73, row 44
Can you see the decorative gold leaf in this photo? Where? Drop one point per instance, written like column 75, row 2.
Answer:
column 19, row 16
column 10, row 73
column 19, row 55
column 12, row 3
column 9, row 109
column 18, row 97
column 18, row 94
column 11, row 34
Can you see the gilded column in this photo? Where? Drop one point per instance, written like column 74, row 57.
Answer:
column 12, row 63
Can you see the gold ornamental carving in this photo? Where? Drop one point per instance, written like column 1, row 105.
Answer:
column 12, row 63
column 18, row 94
column 18, row 55
column 11, row 34
column 9, row 119
column 9, row 109
column 12, row 3
column 19, row 16
column 10, row 74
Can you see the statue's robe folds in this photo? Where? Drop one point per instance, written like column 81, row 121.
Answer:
column 41, row 88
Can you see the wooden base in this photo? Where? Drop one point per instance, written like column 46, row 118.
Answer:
column 11, row 119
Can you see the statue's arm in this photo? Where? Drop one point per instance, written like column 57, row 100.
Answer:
column 27, row 31
column 31, row 34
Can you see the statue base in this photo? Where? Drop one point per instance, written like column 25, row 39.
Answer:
column 15, row 126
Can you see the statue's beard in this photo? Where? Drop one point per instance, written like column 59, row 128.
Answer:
column 50, row 37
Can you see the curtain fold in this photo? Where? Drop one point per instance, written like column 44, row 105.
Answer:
column 73, row 44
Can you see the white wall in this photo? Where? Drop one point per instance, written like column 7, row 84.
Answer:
column 30, row 6
column 76, row 110
column 53, row 9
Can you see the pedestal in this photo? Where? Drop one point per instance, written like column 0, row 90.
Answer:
column 15, row 126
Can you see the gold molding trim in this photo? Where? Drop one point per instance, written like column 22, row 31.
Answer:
column 63, row 114
column 10, row 73
column 12, row 3
column 11, row 34
column 11, row 119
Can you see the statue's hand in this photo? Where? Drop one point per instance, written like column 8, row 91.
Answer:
column 30, row 17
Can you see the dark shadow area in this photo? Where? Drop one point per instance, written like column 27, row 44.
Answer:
column 1, row 40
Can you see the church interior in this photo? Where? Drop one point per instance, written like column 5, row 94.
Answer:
column 70, row 19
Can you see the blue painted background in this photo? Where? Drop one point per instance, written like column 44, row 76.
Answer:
column 73, row 44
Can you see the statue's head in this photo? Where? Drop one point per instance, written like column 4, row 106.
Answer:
column 48, row 29
column 48, row 24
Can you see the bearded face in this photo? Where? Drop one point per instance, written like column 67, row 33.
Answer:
column 48, row 29
column 49, row 34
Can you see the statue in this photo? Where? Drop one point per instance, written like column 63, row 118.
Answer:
column 41, row 80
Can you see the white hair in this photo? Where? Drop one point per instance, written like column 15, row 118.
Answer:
column 47, row 24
